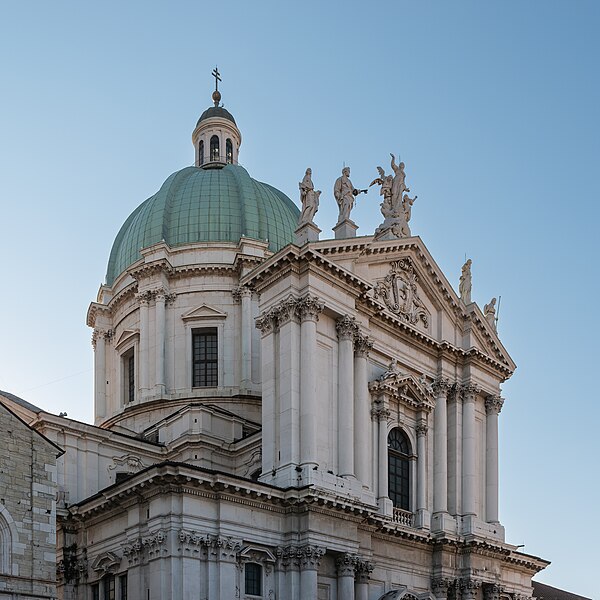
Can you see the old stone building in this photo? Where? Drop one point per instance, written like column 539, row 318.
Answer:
column 279, row 416
column 27, row 506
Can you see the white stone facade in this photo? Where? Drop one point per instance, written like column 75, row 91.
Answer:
column 316, row 424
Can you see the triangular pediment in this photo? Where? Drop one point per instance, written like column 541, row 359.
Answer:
column 126, row 336
column 403, row 387
column 204, row 311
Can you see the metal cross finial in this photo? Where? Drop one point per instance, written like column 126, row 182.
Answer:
column 217, row 77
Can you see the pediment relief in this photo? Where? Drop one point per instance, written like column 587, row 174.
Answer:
column 126, row 336
column 204, row 311
column 399, row 293
column 107, row 562
column 403, row 387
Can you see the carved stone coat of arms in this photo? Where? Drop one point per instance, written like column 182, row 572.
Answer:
column 398, row 290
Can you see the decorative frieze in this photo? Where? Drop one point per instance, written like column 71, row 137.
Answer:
column 493, row 405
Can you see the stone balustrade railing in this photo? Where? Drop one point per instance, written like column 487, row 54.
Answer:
column 403, row 517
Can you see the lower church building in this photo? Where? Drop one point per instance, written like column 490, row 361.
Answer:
column 279, row 416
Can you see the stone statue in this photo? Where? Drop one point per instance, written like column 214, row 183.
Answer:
column 392, row 370
column 489, row 312
column 464, row 286
column 345, row 193
column 309, row 197
column 407, row 208
column 396, row 207
column 398, row 183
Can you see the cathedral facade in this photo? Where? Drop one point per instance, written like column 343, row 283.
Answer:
column 279, row 416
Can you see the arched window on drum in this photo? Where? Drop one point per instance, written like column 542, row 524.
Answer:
column 399, row 455
column 214, row 148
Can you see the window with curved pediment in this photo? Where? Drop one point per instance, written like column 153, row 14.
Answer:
column 399, row 454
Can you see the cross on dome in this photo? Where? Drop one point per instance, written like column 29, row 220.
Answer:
column 216, row 94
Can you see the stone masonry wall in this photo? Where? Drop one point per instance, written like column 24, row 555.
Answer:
column 27, row 510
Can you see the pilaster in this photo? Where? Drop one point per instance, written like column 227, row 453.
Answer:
column 346, row 329
column 345, row 569
column 493, row 406
column 362, row 416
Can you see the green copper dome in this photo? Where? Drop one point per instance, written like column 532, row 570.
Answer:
column 205, row 205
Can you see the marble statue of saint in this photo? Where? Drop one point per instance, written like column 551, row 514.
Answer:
column 385, row 181
column 407, row 206
column 309, row 197
column 398, row 184
column 489, row 312
column 464, row 286
column 344, row 193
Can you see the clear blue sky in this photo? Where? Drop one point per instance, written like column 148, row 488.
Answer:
column 494, row 107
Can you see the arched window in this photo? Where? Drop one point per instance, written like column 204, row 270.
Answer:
column 214, row 148
column 5, row 546
column 399, row 469
column 201, row 153
column 229, row 151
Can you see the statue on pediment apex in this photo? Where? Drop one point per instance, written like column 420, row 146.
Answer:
column 464, row 287
column 489, row 312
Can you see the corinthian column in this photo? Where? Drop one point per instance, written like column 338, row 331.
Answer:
column 160, row 340
column 363, row 570
column 362, row 413
column 309, row 309
column 346, row 329
column 345, row 566
column 440, row 447
column 310, row 559
column 385, row 504
column 469, row 476
column 493, row 406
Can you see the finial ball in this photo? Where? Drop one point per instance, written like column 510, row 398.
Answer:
column 216, row 96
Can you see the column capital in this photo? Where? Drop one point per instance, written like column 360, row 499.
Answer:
column 469, row 392
column 309, row 308
column 310, row 557
column 362, row 570
column 441, row 586
column 346, row 565
column 104, row 334
column 287, row 310
column 469, row 588
column 160, row 294
column 422, row 428
column 346, row 327
column 380, row 414
column 267, row 321
column 242, row 291
column 493, row 404
column 492, row 591
column 288, row 557
column 144, row 298
column 362, row 345
column 441, row 386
